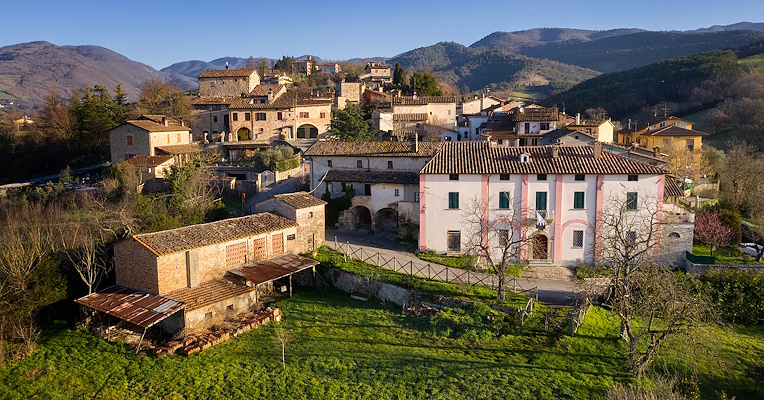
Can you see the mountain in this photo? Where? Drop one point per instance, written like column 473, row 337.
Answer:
column 474, row 68
column 759, row 26
column 190, row 69
column 29, row 70
column 520, row 41
column 616, row 53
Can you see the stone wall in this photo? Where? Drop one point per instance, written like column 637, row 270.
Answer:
column 705, row 269
column 135, row 266
column 676, row 238
column 352, row 283
column 205, row 317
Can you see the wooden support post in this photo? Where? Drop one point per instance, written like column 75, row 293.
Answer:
column 290, row 285
column 108, row 329
column 137, row 349
column 256, row 294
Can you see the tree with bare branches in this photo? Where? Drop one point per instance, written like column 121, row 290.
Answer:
column 653, row 302
column 282, row 337
column 497, row 237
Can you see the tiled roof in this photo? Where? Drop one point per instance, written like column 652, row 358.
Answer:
column 410, row 117
column 262, row 89
column 148, row 161
column 371, row 148
column 675, row 131
column 211, row 100
column 209, row 292
column 526, row 114
column 220, row 73
column 482, row 158
column 672, row 187
column 299, row 200
column 151, row 126
column 179, row 148
column 189, row 237
column 285, row 101
column 339, row 175
column 409, row 101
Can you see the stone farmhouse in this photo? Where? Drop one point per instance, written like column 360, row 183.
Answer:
column 383, row 175
column 194, row 277
column 376, row 74
column 562, row 189
column 151, row 135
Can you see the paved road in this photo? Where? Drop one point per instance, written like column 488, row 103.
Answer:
column 556, row 292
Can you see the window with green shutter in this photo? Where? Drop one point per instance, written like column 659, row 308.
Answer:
column 631, row 200
column 578, row 200
column 504, row 200
column 453, row 200
column 540, row 201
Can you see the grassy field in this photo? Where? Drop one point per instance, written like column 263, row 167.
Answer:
column 756, row 62
column 724, row 255
column 344, row 348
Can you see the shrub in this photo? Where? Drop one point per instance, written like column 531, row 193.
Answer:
column 737, row 296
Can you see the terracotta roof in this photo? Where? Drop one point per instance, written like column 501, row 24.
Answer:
column 299, row 200
column 131, row 305
column 275, row 268
column 410, row 101
column 675, row 131
column 211, row 100
column 148, row 161
column 209, row 292
column 371, row 148
column 262, row 89
column 535, row 114
column 339, row 175
column 482, row 158
column 672, row 187
column 189, row 237
column 179, row 148
column 220, row 73
column 410, row 117
column 151, row 126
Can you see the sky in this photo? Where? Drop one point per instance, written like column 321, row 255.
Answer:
column 160, row 33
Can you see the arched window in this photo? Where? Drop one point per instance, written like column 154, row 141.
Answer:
column 674, row 235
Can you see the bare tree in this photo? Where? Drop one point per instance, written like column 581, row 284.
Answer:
column 90, row 259
column 283, row 337
column 653, row 302
column 497, row 237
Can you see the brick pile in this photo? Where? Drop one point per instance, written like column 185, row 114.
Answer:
column 229, row 329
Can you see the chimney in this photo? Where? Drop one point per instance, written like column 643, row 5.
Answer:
column 555, row 151
column 164, row 121
column 597, row 150
column 578, row 118
column 657, row 152
column 416, row 142
column 226, row 65
column 270, row 95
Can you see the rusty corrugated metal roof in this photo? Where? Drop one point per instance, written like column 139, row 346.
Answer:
column 275, row 268
column 209, row 292
column 134, row 306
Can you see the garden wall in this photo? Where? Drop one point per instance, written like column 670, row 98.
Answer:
column 352, row 283
column 705, row 269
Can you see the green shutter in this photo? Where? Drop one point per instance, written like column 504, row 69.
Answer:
column 504, row 200
column 540, row 200
column 453, row 200
column 578, row 200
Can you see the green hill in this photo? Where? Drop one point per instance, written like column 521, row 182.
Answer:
column 470, row 69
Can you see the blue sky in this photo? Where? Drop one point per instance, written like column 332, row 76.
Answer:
column 161, row 33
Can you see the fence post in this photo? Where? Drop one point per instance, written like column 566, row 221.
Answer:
column 446, row 274
column 344, row 255
column 429, row 272
column 335, row 242
column 571, row 327
column 378, row 264
column 521, row 315
column 514, row 285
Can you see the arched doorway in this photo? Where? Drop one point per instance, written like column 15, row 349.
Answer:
column 387, row 220
column 307, row 131
column 243, row 134
column 540, row 247
column 362, row 217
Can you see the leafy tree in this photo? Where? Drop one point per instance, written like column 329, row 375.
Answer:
column 399, row 75
column 163, row 97
column 712, row 231
column 424, row 84
column 285, row 65
column 262, row 67
column 348, row 123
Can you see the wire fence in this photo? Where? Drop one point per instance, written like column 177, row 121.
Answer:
column 433, row 272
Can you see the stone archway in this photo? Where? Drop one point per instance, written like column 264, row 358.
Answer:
column 361, row 218
column 307, row 131
column 386, row 220
column 243, row 134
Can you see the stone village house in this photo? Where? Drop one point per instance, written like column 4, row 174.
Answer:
column 384, row 175
column 193, row 277
column 151, row 135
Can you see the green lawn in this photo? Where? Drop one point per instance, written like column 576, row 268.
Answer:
column 724, row 255
column 344, row 348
